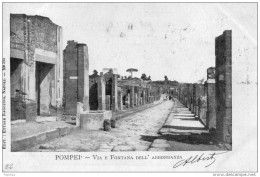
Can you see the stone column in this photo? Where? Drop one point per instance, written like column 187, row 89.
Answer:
column 83, row 54
column 198, row 91
column 139, row 96
column 114, row 104
column 120, row 100
column 59, row 71
column 108, row 102
column 148, row 95
column 132, row 96
column 136, row 101
column 194, row 100
column 223, row 52
column 101, row 93
column 127, row 100
column 211, row 100
column 144, row 97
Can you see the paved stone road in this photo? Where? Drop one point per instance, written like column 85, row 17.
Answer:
column 133, row 133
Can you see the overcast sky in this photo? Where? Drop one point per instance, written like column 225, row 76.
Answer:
column 177, row 39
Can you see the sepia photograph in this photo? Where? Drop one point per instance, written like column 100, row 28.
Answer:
column 128, row 79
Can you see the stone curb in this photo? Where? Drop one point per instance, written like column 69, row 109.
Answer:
column 30, row 141
column 117, row 117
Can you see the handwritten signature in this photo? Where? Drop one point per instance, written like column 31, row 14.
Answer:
column 211, row 158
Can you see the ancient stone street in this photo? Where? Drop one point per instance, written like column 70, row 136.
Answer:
column 131, row 134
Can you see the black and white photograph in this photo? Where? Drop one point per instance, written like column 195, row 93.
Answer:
column 130, row 87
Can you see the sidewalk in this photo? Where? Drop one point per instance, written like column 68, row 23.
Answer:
column 29, row 134
column 183, row 132
column 126, row 112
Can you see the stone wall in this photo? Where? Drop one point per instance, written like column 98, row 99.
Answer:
column 31, row 32
column 223, row 54
column 35, row 40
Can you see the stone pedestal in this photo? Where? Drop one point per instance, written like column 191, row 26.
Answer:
column 94, row 119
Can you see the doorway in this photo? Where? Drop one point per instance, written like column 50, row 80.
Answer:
column 45, row 88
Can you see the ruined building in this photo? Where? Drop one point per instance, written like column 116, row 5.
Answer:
column 36, row 62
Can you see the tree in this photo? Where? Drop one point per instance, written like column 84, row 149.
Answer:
column 95, row 73
column 149, row 78
column 165, row 78
column 143, row 76
column 131, row 70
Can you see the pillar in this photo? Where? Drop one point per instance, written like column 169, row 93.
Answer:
column 107, row 102
column 127, row 101
column 223, row 52
column 83, row 53
column 114, row 104
column 101, row 93
column 211, row 102
column 120, row 100
column 132, row 96
column 143, row 98
column 148, row 95
column 139, row 97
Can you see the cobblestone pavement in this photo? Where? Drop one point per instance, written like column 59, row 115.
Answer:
column 132, row 133
column 183, row 132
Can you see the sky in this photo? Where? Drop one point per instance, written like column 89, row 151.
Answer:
column 158, row 39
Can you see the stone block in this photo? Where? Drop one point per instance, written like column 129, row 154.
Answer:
column 51, row 134
column 94, row 119
column 24, row 143
column 41, row 137
column 63, row 131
